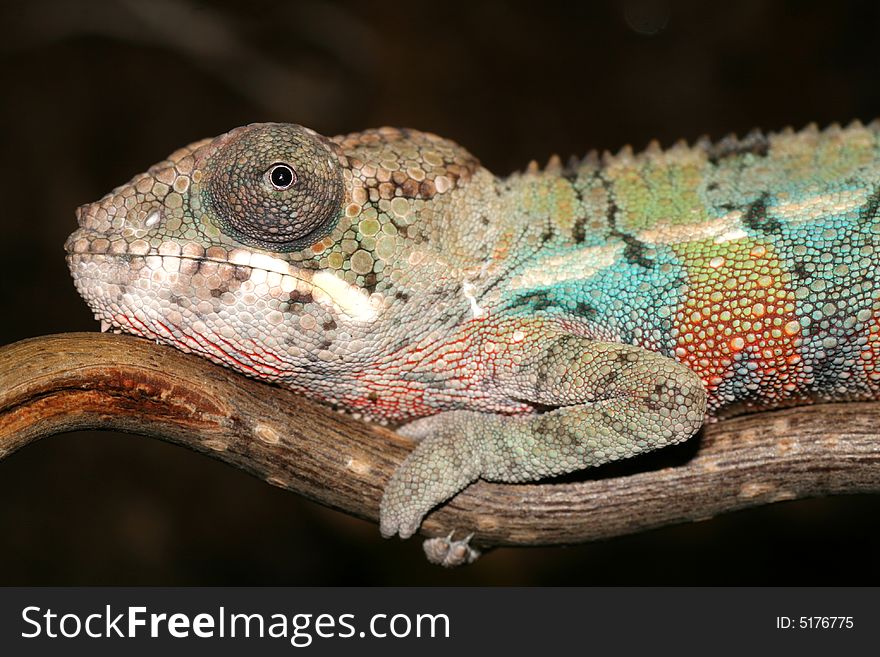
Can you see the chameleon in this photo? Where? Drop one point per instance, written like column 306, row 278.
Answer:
column 516, row 327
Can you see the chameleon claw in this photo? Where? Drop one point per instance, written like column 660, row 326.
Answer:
column 448, row 553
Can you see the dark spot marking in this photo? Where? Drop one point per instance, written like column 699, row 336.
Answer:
column 538, row 407
column 547, row 235
column 216, row 292
column 586, row 310
column 869, row 210
column 440, row 293
column 409, row 188
column 611, row 211
column 540, row 300
column 799, row 269
column 401, row 296
column 373, row 397
column 756, row 217
column 635, row 251
column 607, row 380
column 370, row 281
column 652, row 404
column 579, row 231
column 541, row 375
column 242, row 273
column 401, row 228
column 712, row 186
column 329, row 325
column 300, row 297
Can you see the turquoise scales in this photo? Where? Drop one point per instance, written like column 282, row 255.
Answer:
column 759, row 274
column 519, row 327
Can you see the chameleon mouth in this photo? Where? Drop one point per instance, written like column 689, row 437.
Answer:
column 188, row 259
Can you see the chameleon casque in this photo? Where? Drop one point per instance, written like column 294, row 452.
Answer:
column 518, row 327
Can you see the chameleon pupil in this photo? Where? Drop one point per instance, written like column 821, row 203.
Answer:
column 281, row 176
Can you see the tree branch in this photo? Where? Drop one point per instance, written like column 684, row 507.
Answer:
column 61, row 383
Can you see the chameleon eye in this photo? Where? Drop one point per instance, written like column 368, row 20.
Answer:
column 281, row 176
column 275, row 186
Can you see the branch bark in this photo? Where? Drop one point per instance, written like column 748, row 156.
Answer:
column 67, row 382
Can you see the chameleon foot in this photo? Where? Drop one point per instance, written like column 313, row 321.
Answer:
column 599, row 402
column 446, row 459
column 448, row 553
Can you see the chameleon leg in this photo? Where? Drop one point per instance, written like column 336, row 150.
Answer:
column 595, row 402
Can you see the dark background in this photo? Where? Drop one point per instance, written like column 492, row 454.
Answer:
column 94, row 92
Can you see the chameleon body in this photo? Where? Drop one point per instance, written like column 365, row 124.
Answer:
column 518, row 327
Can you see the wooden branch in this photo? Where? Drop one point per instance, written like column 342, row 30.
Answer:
column 65, row 382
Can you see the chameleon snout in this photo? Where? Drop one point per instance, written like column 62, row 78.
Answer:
column 77, row 241
column 85, row 218
column 114, row 223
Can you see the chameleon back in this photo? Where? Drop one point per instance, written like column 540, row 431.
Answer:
column 751, row 261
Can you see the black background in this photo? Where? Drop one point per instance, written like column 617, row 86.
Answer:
column 94, row 92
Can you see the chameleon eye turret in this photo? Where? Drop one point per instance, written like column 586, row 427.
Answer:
column 273, row 186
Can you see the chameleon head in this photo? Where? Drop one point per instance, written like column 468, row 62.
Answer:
column 270, row 249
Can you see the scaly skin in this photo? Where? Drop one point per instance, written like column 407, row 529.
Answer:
column 522, row 326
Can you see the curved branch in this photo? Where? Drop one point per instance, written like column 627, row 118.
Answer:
column 60, row 383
